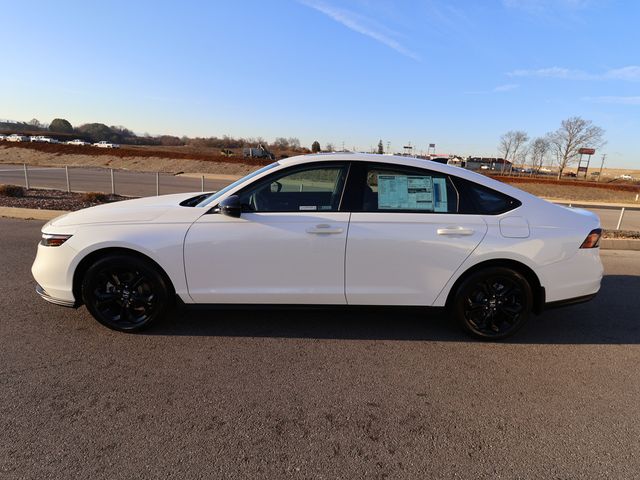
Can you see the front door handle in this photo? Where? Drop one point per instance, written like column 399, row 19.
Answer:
column 324, row 228
column 455, row 231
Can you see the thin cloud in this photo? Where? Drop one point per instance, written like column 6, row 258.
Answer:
column 612, row 99
column 630, row 73
column 540, row 5
column 499, row 89
column 361, row 25
column 505, row 88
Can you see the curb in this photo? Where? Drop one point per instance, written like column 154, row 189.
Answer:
column 590, row 204
column 30, row 213
column 36, row 214
column 620, row 244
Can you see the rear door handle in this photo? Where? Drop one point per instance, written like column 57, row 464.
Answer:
column 455, row 231
column 324, row 229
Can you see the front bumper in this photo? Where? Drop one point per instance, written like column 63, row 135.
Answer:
column 56, row 301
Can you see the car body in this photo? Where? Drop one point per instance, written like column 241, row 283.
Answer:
column 625, row 177
column 333, row 230
column 3, row 137
column 78, row 142
column 105, row 144
column 17, row 138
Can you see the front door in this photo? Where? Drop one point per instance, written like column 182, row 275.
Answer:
column 287, row 247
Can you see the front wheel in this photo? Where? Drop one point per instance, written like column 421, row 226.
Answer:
column 493, row 303
column 125, row 293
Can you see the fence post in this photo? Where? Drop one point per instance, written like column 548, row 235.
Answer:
column 157, row 184
column 202, row 183
column 66, row 174
column 113, row 184
column 26, row 176
column 620, row 219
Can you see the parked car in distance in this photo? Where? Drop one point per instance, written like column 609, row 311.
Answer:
column 78, row 142
column 43, row 139
column 625, row 177
column 105, row 144
column 3, row 137
column 14, row 137
column 330, row 229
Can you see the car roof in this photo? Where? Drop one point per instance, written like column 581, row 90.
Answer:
column 410, row 162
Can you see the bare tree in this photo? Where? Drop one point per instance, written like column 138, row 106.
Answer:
column 538, row 153
column 510, row 146
column 329, row 147
column 574, row 133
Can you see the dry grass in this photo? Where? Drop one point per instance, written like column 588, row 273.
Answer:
column 95, row 197
column 577, row 193
column 13, row 191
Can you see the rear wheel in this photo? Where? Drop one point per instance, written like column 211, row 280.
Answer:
column 493, row 303
column 125, row 293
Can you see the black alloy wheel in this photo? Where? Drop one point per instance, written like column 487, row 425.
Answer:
column 125, row 293
column 493, row 303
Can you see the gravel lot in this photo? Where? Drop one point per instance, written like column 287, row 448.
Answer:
column 57, row 200
column 299, row 394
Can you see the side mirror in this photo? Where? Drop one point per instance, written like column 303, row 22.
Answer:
column 231, row 206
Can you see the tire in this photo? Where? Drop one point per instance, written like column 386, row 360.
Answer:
column 493, row 303
column 125, row 293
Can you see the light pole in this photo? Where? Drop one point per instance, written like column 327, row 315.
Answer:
column 604, row 155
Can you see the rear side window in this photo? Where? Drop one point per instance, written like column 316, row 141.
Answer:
column 408, row 190
column 483, row 200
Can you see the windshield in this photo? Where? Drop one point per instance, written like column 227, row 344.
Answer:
column 211, row 198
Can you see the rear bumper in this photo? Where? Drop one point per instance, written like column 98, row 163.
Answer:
column 56, row 301
column 569, row 301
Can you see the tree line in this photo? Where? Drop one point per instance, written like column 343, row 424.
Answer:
column 560, row 147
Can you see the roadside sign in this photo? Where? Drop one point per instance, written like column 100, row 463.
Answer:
column 587, row 151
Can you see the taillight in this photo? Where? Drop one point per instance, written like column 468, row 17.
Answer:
column 593, row 239
column 51, row 240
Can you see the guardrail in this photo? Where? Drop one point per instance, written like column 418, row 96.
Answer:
column 134, row 183
column 83, row 179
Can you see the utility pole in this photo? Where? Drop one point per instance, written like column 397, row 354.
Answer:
column 604, row 155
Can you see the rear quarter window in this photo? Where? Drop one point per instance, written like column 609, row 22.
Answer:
column 478, row 199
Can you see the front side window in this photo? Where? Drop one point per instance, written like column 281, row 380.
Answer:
column 310, row 189
column 408, row 190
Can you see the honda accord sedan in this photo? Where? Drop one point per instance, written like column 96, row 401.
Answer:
column 335, row 230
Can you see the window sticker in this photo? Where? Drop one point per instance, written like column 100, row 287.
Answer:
column 308, row 207
column 412, row 192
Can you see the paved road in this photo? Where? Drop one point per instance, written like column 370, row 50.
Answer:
column 144, row 184
column 99, row 180
column 305, row 395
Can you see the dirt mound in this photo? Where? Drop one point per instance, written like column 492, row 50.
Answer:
column 132, row 151
column 607, row 185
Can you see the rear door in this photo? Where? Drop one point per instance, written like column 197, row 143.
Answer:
column 406, row 237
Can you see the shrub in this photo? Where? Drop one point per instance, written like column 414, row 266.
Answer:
column 11, row 191
column 95, row 197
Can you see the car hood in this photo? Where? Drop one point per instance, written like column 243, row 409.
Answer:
column 128, row 211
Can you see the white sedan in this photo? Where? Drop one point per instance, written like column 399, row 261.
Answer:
column 105, row 144
column 78, row 142
column 334, row 230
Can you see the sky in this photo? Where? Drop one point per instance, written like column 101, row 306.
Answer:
column 457, row 73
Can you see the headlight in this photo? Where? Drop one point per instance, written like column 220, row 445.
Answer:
column 51, row 240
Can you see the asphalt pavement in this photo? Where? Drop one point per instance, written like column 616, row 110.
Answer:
column 144, row 184
column 307, row 394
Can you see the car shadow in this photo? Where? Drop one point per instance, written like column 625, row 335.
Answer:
column 613, row 317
